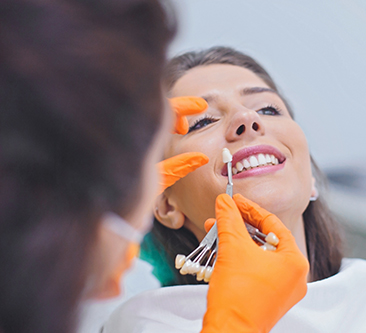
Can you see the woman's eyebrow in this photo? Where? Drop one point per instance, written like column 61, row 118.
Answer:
column 209, row 98
column 243, row 92
column 256, row 90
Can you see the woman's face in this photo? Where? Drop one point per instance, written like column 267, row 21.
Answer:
column 248, row 118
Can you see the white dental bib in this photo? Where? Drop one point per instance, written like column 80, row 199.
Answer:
column 336, row 304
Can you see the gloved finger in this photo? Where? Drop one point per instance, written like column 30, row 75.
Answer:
column 262, row 219
column 209, row 224
column 181, row 125
column 229, row 219
column 188, row 105
column 177, row 167
column 184, row 106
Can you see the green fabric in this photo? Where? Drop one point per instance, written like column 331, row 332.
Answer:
column 153, row 252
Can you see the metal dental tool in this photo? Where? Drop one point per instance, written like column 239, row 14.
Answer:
column 228, row 159
column 207, row 250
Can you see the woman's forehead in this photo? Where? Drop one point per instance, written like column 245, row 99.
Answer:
column 210, row 80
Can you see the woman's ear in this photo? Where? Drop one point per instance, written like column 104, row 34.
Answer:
column 168, row 213
column 314, row 191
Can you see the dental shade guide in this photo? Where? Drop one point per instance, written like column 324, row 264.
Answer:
column 205, row 253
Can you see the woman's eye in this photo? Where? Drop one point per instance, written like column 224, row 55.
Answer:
column 200, row 123
column 269, row 111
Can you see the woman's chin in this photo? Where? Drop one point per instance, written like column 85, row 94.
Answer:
column 276, row 203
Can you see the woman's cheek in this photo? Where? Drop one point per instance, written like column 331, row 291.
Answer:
column 197, row 143
column 196, row 194
column 300, row 151
column 302, row 164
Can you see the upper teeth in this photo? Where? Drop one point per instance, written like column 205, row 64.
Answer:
column 254, row 161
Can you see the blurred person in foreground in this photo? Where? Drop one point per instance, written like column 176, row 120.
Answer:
column 82, row 125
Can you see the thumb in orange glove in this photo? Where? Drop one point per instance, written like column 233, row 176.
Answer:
column 251, row 289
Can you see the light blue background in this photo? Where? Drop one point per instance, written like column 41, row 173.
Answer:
column 315, row 51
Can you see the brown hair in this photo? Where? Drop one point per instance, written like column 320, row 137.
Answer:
column 80, row 103
column 323, row 237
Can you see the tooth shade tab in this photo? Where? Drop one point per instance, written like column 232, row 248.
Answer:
column 180, row 259
column 194, row 268
column 201, row 274
column 226, row 156
column 272, row 239
column 208, row 274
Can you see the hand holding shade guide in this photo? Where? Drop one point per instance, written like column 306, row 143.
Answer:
column 202, row 260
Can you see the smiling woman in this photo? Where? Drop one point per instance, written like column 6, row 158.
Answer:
column 272, row 167
column 271, row 162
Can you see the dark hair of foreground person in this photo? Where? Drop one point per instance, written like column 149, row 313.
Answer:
column 80, row 103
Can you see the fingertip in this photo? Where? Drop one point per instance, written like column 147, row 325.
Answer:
column 230, row 224
column 201, row 103
column 224, row 200
column 188, row 105
column 181, row 125
column 195, row 160
column 196, row 104
column 184, row 126
column 199, row 158
column 205, row 159
column 209, row 224
column 226, row 210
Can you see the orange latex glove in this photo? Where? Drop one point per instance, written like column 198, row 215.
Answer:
column 177, row 167
column 185, row 106
column 251, row 289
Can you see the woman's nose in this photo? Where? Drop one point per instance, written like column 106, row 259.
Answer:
column 245, row 124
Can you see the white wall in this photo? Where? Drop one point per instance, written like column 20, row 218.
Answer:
column 314, row 49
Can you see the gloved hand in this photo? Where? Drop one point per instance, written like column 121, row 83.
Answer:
column 185, row 106
column 251, row 289
column 171, row 170
column 177, row 167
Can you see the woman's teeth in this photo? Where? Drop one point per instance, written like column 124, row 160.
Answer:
column 254, row 161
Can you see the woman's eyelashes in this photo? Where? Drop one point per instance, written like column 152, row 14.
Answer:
column 270, row 110
column 202, row 122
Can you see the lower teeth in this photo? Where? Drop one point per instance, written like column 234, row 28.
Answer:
column 254, row 167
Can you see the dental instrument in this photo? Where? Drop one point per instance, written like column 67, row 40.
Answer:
column 208, row 247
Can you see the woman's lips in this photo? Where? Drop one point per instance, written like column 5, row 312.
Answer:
column 255, row 160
